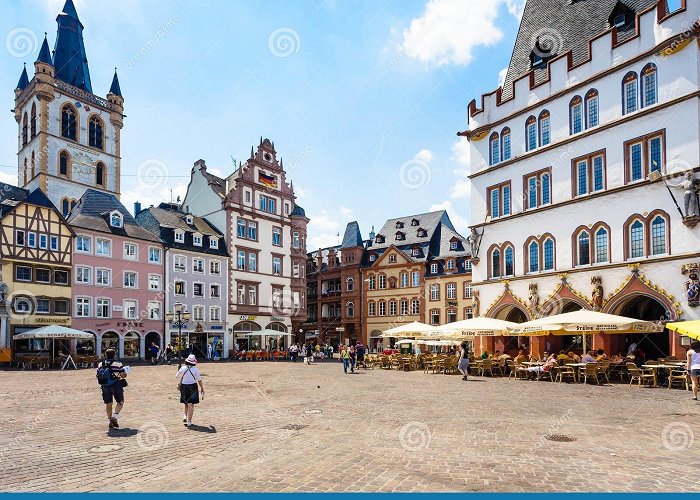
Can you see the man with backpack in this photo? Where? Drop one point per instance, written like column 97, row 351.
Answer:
column 110, row 376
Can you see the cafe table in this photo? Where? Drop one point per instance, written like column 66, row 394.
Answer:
column 577, row 367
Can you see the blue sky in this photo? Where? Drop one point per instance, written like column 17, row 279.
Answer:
column 361, row 97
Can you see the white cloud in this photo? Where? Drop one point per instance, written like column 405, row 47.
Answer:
column 345, row 211
column 323, row 240
column 461, row 223
column 460, row 151
column 8, row 177
column 460, row 155
column 502, row 76
column 450, row 30
column 148, row 197
column 516, row 7
column 324, row 222
column 424, row 155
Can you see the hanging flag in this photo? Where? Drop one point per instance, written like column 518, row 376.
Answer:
column 267, row 180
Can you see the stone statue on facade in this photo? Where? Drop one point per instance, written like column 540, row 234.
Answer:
column 475, row 303
column 692, row 284
column 533, row 299
column 690, row 198
column 597, row 295
column 474, row 241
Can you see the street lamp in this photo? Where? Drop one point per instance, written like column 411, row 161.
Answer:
column 179, row 317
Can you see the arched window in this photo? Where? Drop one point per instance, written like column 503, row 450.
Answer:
column 25, row 130
column 531, row 133
column 73, row 203
column 546, row 188
column 545, row 128
column 658, row 236
column 350, row 284
column 649, row 85
column 583, row 250
column 508, row 261
column 636, row 239
column 32, row 167
column 65, row 206
column 32, row 121
column 350, row 310
column 533, row 257
column 548, row 261
column 601, row 246
column 69, row 122
column 505, row 144
column 63, row 163
column 592, row 108
column 629, row 93
column 494, row 149
column 575, row 115
column 496, row 263
column 25, row 173
column 96, row 135
column 100, row 175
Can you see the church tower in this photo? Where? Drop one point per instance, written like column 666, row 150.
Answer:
column 69, row 138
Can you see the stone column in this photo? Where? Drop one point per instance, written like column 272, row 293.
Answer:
column 98, row 345
column 537, row 345
column 120, row 343
column 142, row 346
column 602, row 341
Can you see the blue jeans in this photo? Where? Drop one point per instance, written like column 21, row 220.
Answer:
column 346, row 362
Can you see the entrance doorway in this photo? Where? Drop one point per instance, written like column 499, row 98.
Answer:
column 652, row 345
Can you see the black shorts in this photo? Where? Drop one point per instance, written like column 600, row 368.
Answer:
column 113, row 392
column 189, row 393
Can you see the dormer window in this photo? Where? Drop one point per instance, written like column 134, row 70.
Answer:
column 213, row 242
column 399, row 225
column 414, row 222
column 453, row 245
column 116, row 219
column 179, row 236
column 400, row 236
column 379, row 239
column 422, row 233
column 433, row 268
column 619, row 20
column 392, row 258
column 197, row 240
column 415, row 252
column 450, row 265
column 372, row 257
column 543, row 51
column 189, row 220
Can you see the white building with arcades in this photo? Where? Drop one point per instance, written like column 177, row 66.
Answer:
column 581, row 167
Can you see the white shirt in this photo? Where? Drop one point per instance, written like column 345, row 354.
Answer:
column 694, row 360
column 189, row 375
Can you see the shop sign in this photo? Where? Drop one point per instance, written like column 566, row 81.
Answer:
column 243, row 317
column 132, row 324
column 277, row 320
column 174, row 326
column 216, row 327
column 117, row 308
column 51, row 321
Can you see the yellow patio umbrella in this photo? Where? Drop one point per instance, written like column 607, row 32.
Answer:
column 414, row 329
column 687, row 328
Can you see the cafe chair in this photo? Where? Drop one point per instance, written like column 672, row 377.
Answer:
column 642, row 376
column 679, row 376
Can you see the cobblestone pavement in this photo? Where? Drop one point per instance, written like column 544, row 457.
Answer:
column 282, row 427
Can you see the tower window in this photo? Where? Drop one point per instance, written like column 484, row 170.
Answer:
column 96, row 136
column 25, row 131
column 63, row 163
column 33, row 121
column 100, row 175
column 69, row 123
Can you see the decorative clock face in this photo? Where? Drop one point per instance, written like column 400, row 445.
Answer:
column 82, row 162
column 268, row 157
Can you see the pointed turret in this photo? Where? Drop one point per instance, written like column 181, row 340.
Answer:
column 70, row 59
column 45, row 52
column 23, row 79
column 115, row 89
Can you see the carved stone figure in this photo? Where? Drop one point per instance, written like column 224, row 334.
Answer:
column 692, row 289
column 597, row 295
column 533, row 299
column 690, row 198
column 475, row 303
column 474, row 241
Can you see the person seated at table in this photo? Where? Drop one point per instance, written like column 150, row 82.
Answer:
column 547, row 366
column 485, row 355
column 562, row 356
column 618, row 359
column 496, row 354
column 589, row 357
column 520, row 358
column 574, row 357
column 503, row 357
column 600, row 355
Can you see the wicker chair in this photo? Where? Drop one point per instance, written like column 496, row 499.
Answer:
column 603, row 369
column 486, row 366
column 591, row 371
column 564, row 372
column 679, row 376
column 641, row 375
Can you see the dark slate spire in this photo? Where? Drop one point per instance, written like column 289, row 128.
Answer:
column 70, row 60
column 115, row 89
column 23, row 79
column 45, row 52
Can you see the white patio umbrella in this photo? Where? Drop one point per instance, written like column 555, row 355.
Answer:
column 475, row 327
column 414, row 329
column 55, row 332
column 406, row 341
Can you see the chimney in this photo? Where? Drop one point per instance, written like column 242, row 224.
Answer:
column 319, row 258
column 137, row 207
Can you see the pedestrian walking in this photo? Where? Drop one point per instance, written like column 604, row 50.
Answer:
column 353, row 358
column 169, row 350
column 463, row 365
column 191, row 386
column 294, row 352
column 309, row 354
column 693, row 366
column 345, row 358
column 153, row 352
column 360, row 353
column 111, row 377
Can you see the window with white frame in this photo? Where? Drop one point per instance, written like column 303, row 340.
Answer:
column 103, row 277
column 415, row 278
column 198, row 265
column 404, row 307
column 371, row 308
column 82, row 244
column 415, row 307
column 180, row 263
column 154, row 282
column 153, row 310
column 130, row 251
column 103, row 308
column 154, row 255
column 433, row 268
column 198, row 290
column 371, row 282
column 213, row 242
column 451, row 290
column 197, row 240
column 277, row 236
column 129, row 279
column 392, row 308
column 434, row 292
column 382, row 281
column 179, row 236
column 198, row 313
column 382, row 308
column 214, row 291
column 82, row 307
column 215, row 268
column 467, row 290
column 403, row 279
column 435, row 316
column 83, row 275
column 214, row 313
column 103, row 247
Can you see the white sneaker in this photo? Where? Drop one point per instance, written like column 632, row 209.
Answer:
column 184, row 418
column 188, row 424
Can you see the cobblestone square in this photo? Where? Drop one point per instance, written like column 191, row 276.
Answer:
column 283, row 427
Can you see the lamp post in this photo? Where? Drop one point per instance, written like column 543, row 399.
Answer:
column 179, row 317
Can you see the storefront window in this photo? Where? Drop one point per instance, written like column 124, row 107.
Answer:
column 131, row 345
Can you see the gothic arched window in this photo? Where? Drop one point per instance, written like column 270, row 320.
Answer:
column 69, row 122
column 96, row 135
column 32, row 121
column 64, row 164
column 100, row 175
column 25, row 130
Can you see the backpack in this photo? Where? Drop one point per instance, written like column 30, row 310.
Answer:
column 104, row 374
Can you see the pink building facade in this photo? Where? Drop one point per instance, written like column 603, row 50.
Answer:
column 118, row 278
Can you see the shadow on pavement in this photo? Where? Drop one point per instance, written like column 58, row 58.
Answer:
column 200, row 428
column 120, row 433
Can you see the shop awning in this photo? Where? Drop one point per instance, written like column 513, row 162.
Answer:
column 584, row 322
column 687, row 328
column 53, row 332
column 410, row 330
column 475, row 327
